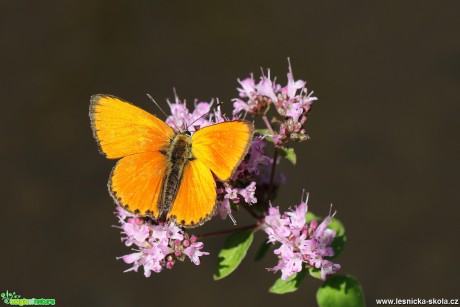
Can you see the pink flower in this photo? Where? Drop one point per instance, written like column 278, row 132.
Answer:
column 278, row 229
column 194, row 252
column 298, row 216
column 174, row 232
column 182, row 119
column 291, row 88
column 294, row 111
column 248, row 193
column 256, row 158
column 259, row 96
column 131, row 258
column 247, row 89
column 180, row 116
column 197, row 118
column 328, row 268
column 135, row 232
column 240, row 106
column 223, row 208
column 122, row 213
column 267, row 88
column 231, row 194
column 291, row 261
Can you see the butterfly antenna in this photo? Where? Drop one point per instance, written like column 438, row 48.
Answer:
column 205, row 114
column 151, row 98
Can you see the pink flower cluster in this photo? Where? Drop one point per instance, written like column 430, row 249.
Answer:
column 250, row 166
column 182, row 119
column 302, row 244
column 292, row 102
column 229, row 193
column 157, row 245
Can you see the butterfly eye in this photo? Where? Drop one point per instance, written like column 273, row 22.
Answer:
column 188, row 133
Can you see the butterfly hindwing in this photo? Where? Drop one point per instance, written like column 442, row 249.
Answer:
column 195, row 200
column 122, row 129
column 136, row 180
column 221, row 147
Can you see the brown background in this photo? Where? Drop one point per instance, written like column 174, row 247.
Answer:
column 384, row 142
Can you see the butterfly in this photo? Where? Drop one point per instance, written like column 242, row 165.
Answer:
column 161, row 173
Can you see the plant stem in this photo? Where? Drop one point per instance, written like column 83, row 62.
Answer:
column 272, row 176
column 269, row 127
column 275, row 157
column 223, row 232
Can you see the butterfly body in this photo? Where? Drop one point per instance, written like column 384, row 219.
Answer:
column 178, row 154
column 161, row 173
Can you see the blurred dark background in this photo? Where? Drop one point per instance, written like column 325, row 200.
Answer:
column 384, row 145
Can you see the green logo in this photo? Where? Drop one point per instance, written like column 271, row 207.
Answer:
column 11, row 298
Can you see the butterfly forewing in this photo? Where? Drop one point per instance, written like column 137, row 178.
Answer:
column 221, row 147
column 122, row 129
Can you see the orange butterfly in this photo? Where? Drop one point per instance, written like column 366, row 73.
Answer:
column 161, row 173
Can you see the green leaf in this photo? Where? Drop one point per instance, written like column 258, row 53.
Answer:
column 338, row 245
column 312, row 217
column 262, row 131
column 266, row 134
column 340, row 291
column 288, row 153
column 234, row 206
column 337, row 225
column 286, row 286
column 314, row 272
column 263, row 249
column 234, row 251
column 340, row 239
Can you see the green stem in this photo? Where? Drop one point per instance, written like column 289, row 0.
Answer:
column 227, row 231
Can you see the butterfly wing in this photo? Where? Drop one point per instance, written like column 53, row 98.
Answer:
column 135, row 182
column 195, row 200
column 221, row 147
column 125, row 131
column 122, row 129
